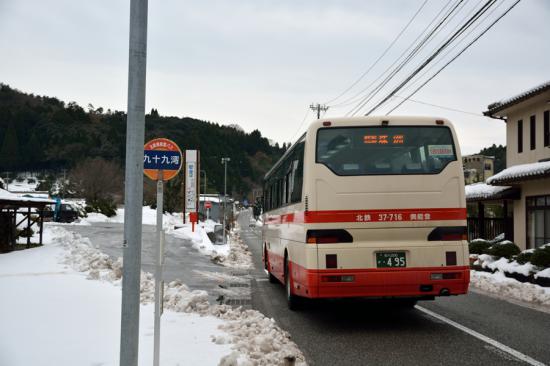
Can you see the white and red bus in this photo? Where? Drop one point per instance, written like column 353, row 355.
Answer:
column 368, row 207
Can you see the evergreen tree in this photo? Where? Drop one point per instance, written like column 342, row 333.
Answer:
column 9, row 153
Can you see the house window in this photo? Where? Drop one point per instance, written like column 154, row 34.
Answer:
column 538, row 221
column 520, row 136
column 533, row 123
column 546, row 128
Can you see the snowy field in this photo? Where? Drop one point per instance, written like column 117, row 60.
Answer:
column 61, row 306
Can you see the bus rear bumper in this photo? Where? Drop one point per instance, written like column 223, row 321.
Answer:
column 381, row 282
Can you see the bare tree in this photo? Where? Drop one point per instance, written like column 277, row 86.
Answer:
column 97, row 180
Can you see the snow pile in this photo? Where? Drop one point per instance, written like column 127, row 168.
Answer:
column 499, row 284
column 482, row 191
column 502, row 264
column 239, row 256
column 200, row 238
column 521, row 171
column 255, row 339
column 149, row 217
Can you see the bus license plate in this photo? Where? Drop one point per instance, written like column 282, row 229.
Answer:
column 391, row 259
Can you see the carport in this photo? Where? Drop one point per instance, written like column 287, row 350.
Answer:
column 18, row 216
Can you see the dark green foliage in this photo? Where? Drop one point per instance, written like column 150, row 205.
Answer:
column 499, row 152
column 506, row 250
column 524, row 257
column 25, row 233
column 104, row 206
column 541, row 257
column 50, row 134
column 479, row 246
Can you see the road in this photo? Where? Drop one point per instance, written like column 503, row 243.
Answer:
column 468, row 330
column 182, row 261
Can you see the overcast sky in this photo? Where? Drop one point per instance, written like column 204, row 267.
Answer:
column 260, row 63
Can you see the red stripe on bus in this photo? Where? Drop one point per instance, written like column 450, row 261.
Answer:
column 388, row 215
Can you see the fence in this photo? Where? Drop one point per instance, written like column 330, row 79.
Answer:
column 489, row 228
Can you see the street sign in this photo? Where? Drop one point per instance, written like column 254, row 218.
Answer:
column 161, row 154
column 207, row 205
column 191, row 180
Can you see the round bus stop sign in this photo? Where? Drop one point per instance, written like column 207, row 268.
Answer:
column 207, row 204
column 161, row 155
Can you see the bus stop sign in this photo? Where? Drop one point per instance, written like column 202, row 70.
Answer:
column 161, row 155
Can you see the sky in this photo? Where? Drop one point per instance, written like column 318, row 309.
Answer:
column 260, row 63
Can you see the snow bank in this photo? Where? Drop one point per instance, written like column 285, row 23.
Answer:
column 502, row 264
column 254, row 338
column 149, row 217
column 200, row 238
column 498, row 283
column 239, row 256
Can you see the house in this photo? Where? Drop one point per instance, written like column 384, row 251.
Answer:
column 527, row 119
column 477, row 168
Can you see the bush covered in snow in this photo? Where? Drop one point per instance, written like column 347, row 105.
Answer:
column 505, row 249
column 524, row 257
column 479, row 246
column 541, row 256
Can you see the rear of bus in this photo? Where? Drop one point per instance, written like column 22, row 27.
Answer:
column 385, row 213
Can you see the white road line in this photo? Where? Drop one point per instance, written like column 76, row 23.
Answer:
column 520, row 356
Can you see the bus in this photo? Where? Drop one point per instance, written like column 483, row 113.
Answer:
column 368, row 207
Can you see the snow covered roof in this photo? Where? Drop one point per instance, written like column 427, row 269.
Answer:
column 518, row 173
column 482, row 191
column 6, row 196
column 496, row 107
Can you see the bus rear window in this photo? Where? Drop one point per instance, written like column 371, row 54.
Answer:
column 388, row 150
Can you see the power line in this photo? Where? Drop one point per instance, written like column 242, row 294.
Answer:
column 381, row 56
column 457, row 55
column 474, row 18
column 353, row 99
column 439, row 106
column 428, row 37
column 300, row 126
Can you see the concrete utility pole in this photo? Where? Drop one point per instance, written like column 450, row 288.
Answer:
column 317, row 107
column 224, row 161
column 204, row 172
column 133, row 193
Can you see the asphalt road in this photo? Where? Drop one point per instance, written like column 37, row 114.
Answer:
column 182, row 261
column 365, row 333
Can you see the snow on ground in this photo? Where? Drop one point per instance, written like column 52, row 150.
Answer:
column 239, row 256
column 149, row 217
column 23, row 185
column 502, row 264
column 501, row 285
column 200, row 238
column 51, row 306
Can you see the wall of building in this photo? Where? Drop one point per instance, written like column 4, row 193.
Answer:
column 529, row 188
column 536, row 106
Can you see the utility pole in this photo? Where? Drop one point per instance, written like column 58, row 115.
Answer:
column 224, row 161
column 133, row 194
column 317, row 107
column 7, row 181
column 204, row 171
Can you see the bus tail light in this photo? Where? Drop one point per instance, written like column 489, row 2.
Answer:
column 448, row 233
column 328, row 236
column 445, row 276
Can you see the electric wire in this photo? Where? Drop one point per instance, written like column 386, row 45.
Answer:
column 353, row 99
column 300, row 126
column 439, row 106
column 381, row 56
column 459, row 43
column 462, row 29
column 407, row 59
column 456, row 56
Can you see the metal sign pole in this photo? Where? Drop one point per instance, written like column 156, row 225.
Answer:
column 133, row 193
column 158, row 269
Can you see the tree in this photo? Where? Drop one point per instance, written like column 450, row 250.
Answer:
column 9, row 154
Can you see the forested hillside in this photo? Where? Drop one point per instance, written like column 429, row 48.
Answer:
column 44, row 133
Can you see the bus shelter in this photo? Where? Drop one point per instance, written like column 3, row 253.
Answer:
column 19, row 218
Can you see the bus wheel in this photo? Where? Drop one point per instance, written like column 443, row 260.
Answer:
column 293, row 301
column 272, row 279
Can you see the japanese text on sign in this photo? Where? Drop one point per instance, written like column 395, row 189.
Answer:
column 384, row 139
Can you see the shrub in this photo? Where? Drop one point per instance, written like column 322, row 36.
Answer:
column 524, row 257
column 479, row 246
column 106, row 207
column 541, row 257
column 505, row 249
column 25, row 233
